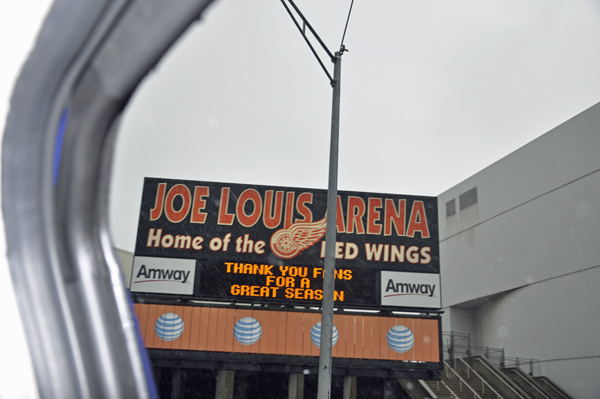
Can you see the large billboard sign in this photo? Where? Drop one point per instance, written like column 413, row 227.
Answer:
column 267, row 244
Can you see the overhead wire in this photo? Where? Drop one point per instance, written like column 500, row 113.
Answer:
column 346, row 27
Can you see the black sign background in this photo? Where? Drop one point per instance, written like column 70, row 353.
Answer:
column 212, row 283
column 360, row 290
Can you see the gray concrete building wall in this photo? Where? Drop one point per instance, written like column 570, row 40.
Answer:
column 555, row 321
column 521, row 265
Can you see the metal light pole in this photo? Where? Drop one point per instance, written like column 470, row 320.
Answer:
column 324, row 384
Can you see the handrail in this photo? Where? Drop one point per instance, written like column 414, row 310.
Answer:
column 551, row 385
column 499, row 377
column 469, row 369
column 427, row 389
column 461, row 379
column 531, row 384
column 450, row 390
column 457, row 343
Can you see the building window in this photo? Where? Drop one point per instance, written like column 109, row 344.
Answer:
column 451, row 207
column 468, row 198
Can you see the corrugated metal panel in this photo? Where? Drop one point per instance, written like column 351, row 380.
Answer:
column 288, row 333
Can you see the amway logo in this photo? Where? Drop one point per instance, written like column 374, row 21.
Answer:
column 162, row 275
column 409, row 289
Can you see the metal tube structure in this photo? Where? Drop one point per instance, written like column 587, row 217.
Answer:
column 324, row 384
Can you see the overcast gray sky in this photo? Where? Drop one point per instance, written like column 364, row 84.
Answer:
column 432, row 92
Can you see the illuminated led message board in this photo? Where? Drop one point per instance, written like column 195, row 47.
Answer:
column 267, row 244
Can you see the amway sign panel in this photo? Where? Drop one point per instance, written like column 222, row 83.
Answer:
column 417, row 290
column 163, row 275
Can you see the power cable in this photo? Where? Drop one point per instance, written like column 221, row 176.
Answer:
column 342, row 48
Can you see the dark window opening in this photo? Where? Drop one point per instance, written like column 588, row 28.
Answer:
column 451, row 208
column 468, row 198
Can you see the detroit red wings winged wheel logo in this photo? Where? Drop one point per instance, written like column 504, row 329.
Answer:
column 287, row 243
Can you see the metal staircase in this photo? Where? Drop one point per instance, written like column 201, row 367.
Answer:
column 536, row 387
column 476, row 378
column 484, row 373
column 463, row 381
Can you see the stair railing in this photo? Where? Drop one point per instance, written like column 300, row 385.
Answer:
column 484, row 383
column 554, row 389
column 531, row 384
column 491, row 370
column 427, row 388
column 461, row 380
column 455, row 396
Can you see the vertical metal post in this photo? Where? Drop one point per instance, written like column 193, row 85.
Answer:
column 451, row 348
column 469, row 345
column 531, row 367
column 324, row 384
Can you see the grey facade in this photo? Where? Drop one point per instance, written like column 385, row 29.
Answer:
column 520, row 255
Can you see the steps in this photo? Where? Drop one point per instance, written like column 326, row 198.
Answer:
column 536, row 387
column 476, row 378
column 524, row 382
column 464, row 385
column 550, row 388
